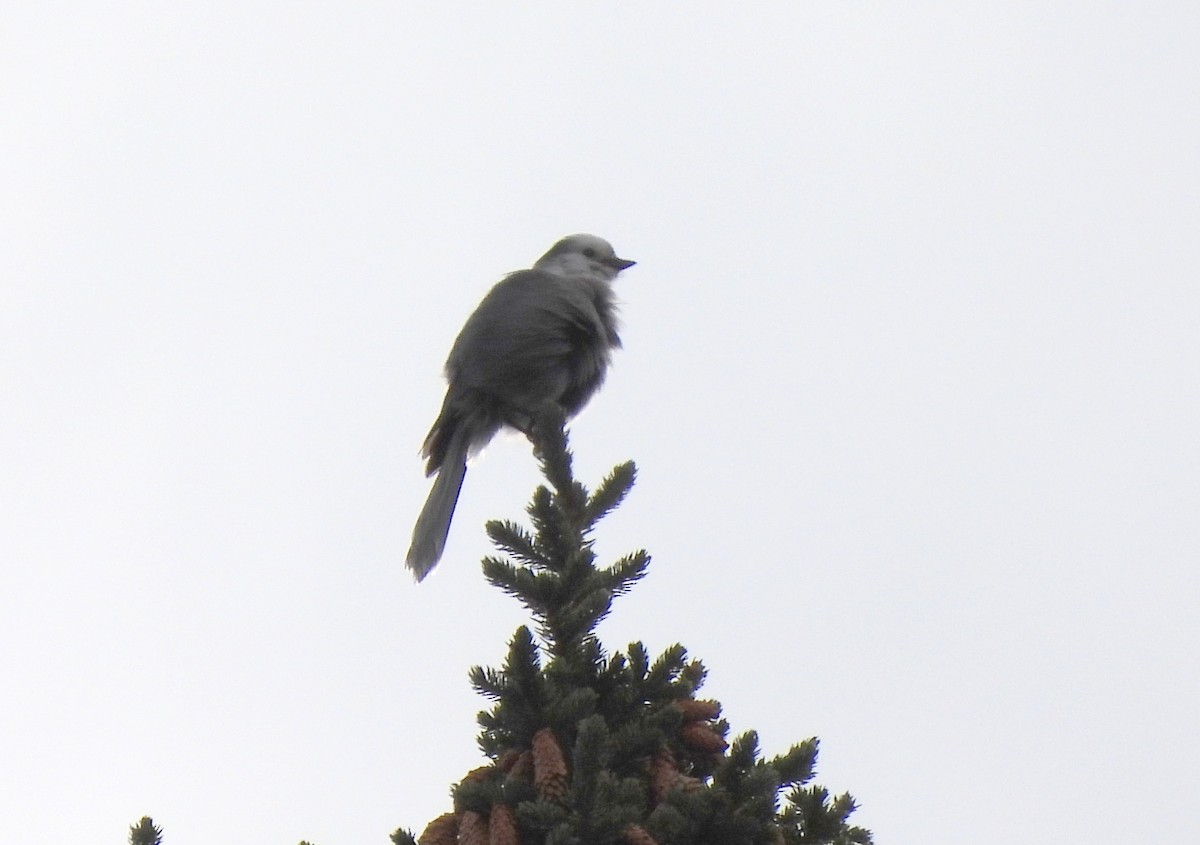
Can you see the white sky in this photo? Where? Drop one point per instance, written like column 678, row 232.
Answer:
column 912, row 374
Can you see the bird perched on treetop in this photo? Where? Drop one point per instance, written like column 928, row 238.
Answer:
column 543, row 335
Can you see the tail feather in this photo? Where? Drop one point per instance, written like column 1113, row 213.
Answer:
column 433, row 525
column 441, row 438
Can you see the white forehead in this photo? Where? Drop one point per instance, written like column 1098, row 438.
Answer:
column 581, row 242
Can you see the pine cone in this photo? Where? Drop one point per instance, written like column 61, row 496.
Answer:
column 664, row 775
column 635, row 834
column 502, row 826
column 441, row 831
column 698, row 711
column 508, row 759
column 549, row 766
column 480, row 775
column 522, row 769
column 701, row 737
column 472, row 829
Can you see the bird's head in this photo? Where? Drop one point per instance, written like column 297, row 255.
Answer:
column 583, row 255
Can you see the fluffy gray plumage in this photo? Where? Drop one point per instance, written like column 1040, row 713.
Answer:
column 540, row 335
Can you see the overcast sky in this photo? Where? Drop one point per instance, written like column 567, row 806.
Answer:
column 911, row 373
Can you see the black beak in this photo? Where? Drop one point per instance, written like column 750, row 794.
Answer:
column 619, row 264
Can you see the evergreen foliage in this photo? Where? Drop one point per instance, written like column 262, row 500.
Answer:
column 145, row 833
column 592, row 748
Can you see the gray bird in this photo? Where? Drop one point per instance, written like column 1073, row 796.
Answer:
column 540, row 335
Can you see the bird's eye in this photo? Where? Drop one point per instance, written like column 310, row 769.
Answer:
column 589, row 252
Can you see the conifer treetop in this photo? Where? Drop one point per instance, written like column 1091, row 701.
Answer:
column 591, row 748
column 145, row 832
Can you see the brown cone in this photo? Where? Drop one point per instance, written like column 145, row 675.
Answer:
column 472, row 829
column 441, row 831
column 502, row 826
column 549, row 766
column 698, row 711
column 664, row 775
column 522, row 769
column 701, row 737
column 483, row 773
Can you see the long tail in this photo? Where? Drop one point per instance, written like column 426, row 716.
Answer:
column 429, row 535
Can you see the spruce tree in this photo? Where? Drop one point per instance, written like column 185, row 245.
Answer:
column 145, row 833
column 591, row 748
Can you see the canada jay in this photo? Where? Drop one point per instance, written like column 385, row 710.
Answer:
column 540, row 335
